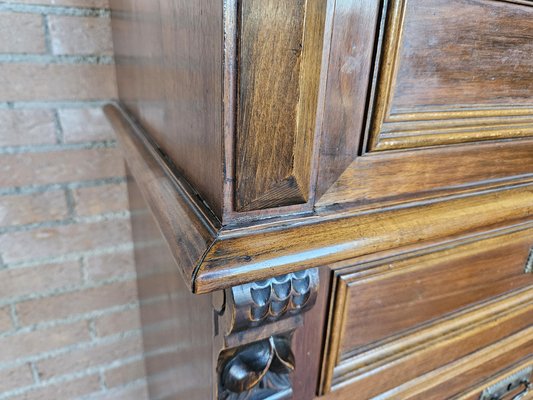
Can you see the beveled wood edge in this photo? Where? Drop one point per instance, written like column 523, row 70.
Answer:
column 256, row 253
column 527, row 362
column 188, row 226
column 213, row 257
column 229, row 125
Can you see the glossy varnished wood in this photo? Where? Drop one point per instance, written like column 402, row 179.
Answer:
column 404, row 176
column 212, row 257
column 445, row 78
column 184, row 221
column 386, row 143
column 280, row 46
column 387, row 298
column 416, row 43
column 467, row 377
column 349, row 70
column 169, row 61
column 256, row 253
column 392, row 364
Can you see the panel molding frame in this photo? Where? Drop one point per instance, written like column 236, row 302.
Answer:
column 341, row 370
column 433, row 126
column 263, row 178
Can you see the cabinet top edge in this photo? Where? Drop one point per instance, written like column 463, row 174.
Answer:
column 213, row 257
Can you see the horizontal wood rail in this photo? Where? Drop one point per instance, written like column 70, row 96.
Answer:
column 213, row 257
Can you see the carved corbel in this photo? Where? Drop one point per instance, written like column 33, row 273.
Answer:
column 256, row 325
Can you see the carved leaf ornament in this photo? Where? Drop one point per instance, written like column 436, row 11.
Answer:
column 251, row 363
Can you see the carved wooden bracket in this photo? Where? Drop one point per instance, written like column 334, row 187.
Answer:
column 259, row 318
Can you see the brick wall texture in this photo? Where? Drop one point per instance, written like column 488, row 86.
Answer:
column 69, row 319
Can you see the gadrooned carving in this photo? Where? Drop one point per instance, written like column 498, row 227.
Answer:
column 273, row 299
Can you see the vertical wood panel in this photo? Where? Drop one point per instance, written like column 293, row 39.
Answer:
column 348, row 81
column 278, row 77
column 169, row 61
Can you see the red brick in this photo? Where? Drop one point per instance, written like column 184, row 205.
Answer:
column 5, row 319
column 101, row 199
column 42, row 340
column 83, row 301
column 21, row 33
column 119, row 322
column 108, row 266
column 80, row 35
column 74, row 3
column 41, row 82
column 60, row 240
column 125, row 374
column 132, row 392
column 29, row 209
column 27, row 127
column 93, row 356
column 65, row 390
column 60, row 166
column 14, row 378
column 85, row 124
column 32, row 280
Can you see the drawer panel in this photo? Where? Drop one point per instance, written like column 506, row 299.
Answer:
column 474, row 372
column 401, row 317
column 388, row 298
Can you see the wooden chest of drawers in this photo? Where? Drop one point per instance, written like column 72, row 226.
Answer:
column 330, row 198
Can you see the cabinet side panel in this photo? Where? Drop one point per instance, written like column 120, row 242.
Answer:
column 177, row 325
column 169, row 73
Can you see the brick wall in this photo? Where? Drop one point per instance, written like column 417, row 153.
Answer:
column 69, row 324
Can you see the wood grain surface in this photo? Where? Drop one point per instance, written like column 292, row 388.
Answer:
column 400, row 294
column 169, row 59
column 185, row 223
column 348, row 80
column 448, row 340
column 280, row 52
column 445, row 78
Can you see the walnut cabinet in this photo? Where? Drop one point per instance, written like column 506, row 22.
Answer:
column 331, row 199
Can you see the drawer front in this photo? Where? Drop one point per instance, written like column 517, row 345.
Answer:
column 395, row 319
column 450, row 105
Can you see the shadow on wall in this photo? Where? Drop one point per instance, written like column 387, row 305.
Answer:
column 176, row 358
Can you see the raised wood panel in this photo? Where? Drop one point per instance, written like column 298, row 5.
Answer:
column 446, row 78
column 387, row 298
column 399, row 361
column 279, row 57
column 349, row 70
